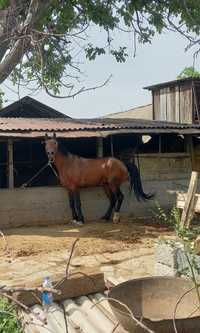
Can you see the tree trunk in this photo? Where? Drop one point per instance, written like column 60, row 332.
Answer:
column 15, row 54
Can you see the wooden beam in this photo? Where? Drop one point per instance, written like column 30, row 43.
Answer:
column 190, row 149
column 90, row 282
column 189, row 207
column 10, row 164
column 181, row 198
column 100, row 147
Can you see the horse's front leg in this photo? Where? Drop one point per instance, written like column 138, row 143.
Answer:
column 78, row 208
column 72, row 206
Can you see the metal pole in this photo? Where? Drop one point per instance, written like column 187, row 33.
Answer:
column 10, row 164
column 100, row 147
column 111, row 146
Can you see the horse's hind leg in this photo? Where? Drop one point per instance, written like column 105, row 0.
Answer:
column 78, row 207
column 112, row 199
column 120, row 198
column 72, row 206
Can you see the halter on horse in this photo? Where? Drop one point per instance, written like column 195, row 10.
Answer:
column 77, row 172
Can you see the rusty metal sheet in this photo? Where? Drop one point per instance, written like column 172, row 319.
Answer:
column 66, row 128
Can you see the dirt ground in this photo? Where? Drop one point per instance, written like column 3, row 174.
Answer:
column 94, row 238
column 35, row 251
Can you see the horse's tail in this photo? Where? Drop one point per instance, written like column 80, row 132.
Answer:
column 136, row 183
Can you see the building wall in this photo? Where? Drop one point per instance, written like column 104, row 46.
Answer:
column 173, row 104
column 140, row 112
column 49, row 205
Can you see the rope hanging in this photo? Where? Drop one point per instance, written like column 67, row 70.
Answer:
column 24, row 185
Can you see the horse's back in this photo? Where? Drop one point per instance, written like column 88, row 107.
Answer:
column 99, row 171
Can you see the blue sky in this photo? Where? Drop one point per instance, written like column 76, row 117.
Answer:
column 161, row 61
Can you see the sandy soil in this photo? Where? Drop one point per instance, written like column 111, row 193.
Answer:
column 124, row 249
column 94, row 238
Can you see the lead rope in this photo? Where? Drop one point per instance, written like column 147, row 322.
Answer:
column 24, row 185
column 53, row 169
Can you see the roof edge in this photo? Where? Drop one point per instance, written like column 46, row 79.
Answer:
column 172, row 83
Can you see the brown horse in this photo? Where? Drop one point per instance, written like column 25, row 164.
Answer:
column 76, row 172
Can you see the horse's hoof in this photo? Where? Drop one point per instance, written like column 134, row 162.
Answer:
column 79, row 223
column 116, row 217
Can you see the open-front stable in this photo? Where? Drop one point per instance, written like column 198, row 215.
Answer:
column 159, row 149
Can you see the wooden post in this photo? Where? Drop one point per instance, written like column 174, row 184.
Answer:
column 160, row 144
column 111, row 146
column 100, row 147
column 10, row 164
column 188, row 210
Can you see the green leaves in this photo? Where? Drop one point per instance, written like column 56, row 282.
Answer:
column 188, row 72
column 120, row 55
column 4, row 4
column 62, row 37
column 92, row 52
column 8, row 318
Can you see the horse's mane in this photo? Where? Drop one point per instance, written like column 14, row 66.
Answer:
column 62, row 149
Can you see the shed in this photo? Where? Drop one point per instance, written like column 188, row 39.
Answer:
column 177, row 101
column 164, row 162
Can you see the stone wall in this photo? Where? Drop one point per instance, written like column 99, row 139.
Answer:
column 172, row 260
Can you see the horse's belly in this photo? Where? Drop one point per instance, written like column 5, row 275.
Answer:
column 92, row 181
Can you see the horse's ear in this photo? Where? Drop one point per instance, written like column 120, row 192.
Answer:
column 54, row 135
column 46, row 136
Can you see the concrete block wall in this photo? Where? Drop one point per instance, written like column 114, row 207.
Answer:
column 49, row 205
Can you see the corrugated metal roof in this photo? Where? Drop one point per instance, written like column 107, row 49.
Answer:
column 28, row 107
column 80, row 314
column 173, row 83
column 26, row 127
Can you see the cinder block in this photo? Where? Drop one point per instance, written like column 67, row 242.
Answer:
column 166, row 253
column 163, row 270
column 171, row 260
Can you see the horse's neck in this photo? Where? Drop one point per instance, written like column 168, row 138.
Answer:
column 61, row 160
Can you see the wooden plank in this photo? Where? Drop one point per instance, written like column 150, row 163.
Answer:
column 77, row 285
column 172, row 116
column 195, row 109
column 188, row 106
column 188, row 210
column 163, row 104
column 181, row 199
column 156, row 105
column 177, row 104
column 168, row 105
column 185, row 105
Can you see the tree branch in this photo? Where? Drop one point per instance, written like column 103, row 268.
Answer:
column 35, row 10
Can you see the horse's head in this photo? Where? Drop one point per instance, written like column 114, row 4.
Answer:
column 51, row 147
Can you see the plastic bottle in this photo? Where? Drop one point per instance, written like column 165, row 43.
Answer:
column 47, row 297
